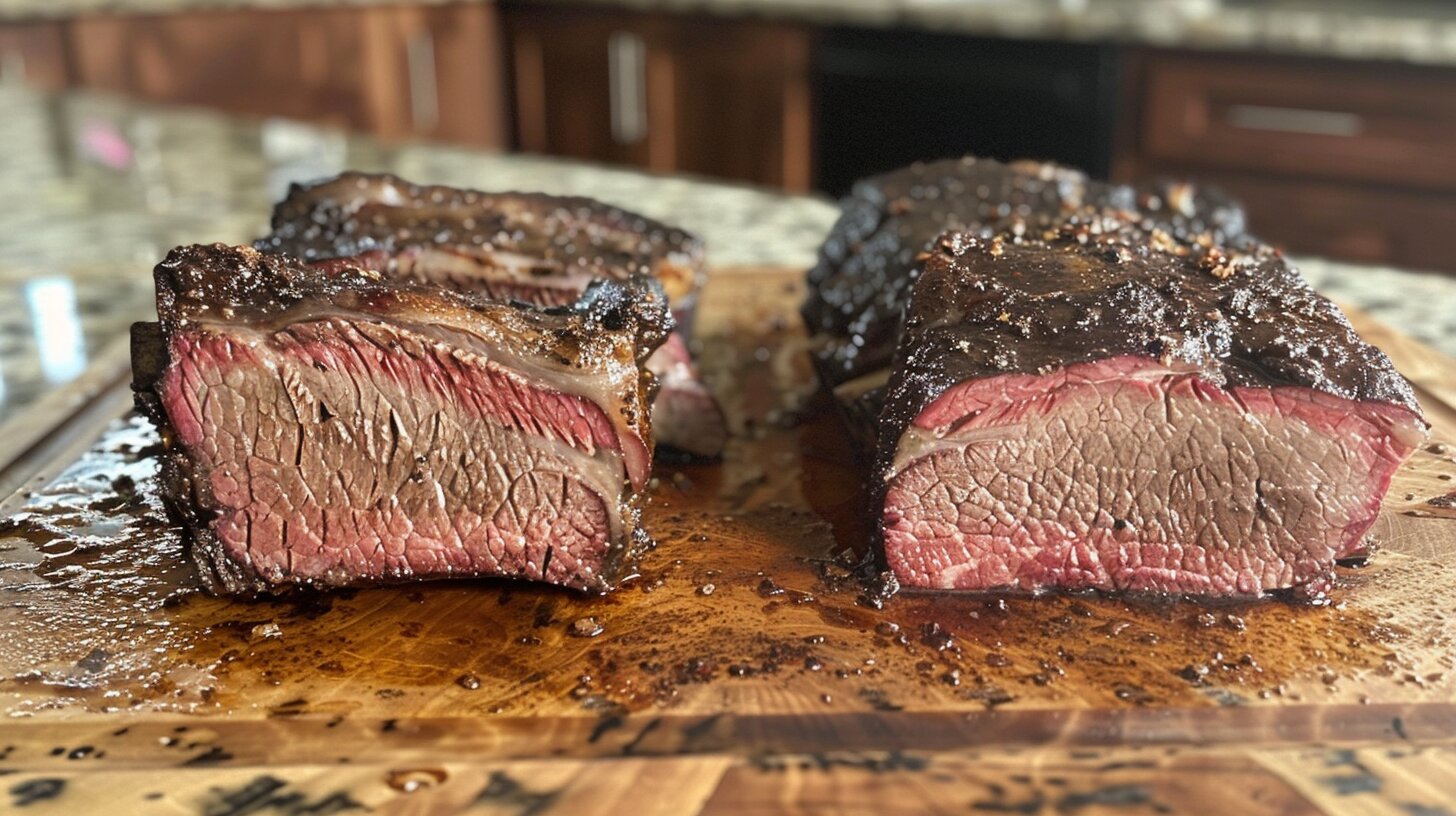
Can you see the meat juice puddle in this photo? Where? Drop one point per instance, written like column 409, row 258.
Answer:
column 753, row 594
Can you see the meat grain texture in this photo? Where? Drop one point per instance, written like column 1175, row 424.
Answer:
column 324, row 427
column 531, row 247
column 1095, row 395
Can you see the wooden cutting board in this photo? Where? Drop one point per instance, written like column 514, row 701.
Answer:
column 745, row 670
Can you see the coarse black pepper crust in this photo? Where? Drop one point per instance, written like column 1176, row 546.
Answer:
column 317, row 220
column 1097, row 286
column 548, row 241
column 354, row 213
column 221, row 284
column 862, row 280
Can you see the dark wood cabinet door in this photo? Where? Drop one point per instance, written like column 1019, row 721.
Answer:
column 1405, row 228
column 34, row 54
column 392, row 71
column 437, row 72
column 1346, row 160
column 740, row 106
column 580, row 84
column 1341, row 121
column 308, row 66
column 721, row 98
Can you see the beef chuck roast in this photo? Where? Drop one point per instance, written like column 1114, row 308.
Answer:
column 1102, row 405
column 531, row 247
column 325, row 427
column 867, row 265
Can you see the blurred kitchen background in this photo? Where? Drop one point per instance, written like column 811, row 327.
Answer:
column 1335, row 121
column 127, row 128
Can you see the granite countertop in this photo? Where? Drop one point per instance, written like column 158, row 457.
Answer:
column 95, row 191
column 1419, row 31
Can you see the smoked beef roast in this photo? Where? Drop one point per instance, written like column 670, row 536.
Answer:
column 1125, row 415
column 867, row 265
column 531, row 247
column 1090, row 392
column 326, row 427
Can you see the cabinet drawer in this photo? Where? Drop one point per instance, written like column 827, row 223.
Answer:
column 429, row 71
column 302, row 65
column 1382, row 123
column 1351, row 222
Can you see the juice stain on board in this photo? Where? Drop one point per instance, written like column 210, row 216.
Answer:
column 753, row 595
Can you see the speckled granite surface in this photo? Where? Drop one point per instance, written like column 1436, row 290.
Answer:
column 1422, row 31
column 95, row 191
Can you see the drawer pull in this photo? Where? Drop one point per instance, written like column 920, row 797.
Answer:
column 627, row 78
column 1294, row 120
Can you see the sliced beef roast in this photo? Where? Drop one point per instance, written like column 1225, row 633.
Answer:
column 1102, row 406
column 324, row 427
column 858, row 288
column 530, row 247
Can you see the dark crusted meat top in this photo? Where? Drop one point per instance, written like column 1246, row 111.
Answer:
column 240, row 285
column 354, row 213
column 1097, row 286
column 862, row 280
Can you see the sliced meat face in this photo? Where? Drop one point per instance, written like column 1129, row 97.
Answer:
column 1100, row 407
column 342, row 453
column 685, row 414
column 1127, row 474
column 328, row 429
column 528, row 247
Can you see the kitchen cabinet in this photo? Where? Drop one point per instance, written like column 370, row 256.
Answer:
column 723, row 98
column 34, row 54
column 1404, row 228
column 1345, row 158
column 740, row 102
column 1351, row 160
column 425, row 72
column 579, row 82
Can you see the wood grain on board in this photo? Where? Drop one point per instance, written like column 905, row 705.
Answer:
column 746, row 670
column 1368, row 780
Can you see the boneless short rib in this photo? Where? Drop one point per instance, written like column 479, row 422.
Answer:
column 530, row 247
column 859, row 287
column 324, row 426
column 1109, row 400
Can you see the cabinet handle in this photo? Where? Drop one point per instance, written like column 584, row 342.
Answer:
column 424, row 89
column 1295, row 120
column 627, row 83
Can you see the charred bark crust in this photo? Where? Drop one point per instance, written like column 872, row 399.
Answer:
column 1097, row 287
column 868, row 264
column 220, row 283
column 354, row 213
